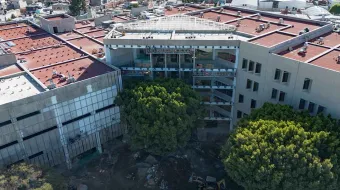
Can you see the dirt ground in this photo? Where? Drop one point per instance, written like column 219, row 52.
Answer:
column 119, row 168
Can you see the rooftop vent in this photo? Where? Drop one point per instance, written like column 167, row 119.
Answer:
column 290, row 49
column 51, row 85
column 201, row 14
column 221, row 10
column 238, row 23
column 320, row 40
column 218, row 19
column 338, row 59
column 238, row 13
column 70, row 78
column 258, row 16
column 281, row 21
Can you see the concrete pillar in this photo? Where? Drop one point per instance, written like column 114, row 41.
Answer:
column 166, row 66
column 20, row 136
column 99, row 144
column 61, row 132
column 193, row 66
column 234, row 87
column 179, row 65
column 214, row 54
column 151, row 66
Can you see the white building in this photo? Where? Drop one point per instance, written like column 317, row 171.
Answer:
column 269, row 58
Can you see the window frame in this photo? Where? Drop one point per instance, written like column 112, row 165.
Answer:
column 283, row 76
column 239, row 98
column 256, row 68
column 284, row 96
column 251, row 64
column 279, row 74
column 251, row 104
column 309, row 84
column 250, row 82
column 257, row 86
column 276, row 92
column 304, row 104
column 245, row 64
column 313, row 107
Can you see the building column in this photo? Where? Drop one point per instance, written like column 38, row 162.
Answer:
column 61, row 132
column 214, row 54
column 20, row 136
column 234, row 89
column 179, row 65
column 99, row 144
column 151, row 66
column 166, row 66
column 193, row 66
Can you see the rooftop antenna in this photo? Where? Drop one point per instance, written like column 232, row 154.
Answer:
column 51, row 85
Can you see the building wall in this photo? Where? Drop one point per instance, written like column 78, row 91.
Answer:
column 324, row 88
column 63, row 25
column 7, row 59
column 55, row 126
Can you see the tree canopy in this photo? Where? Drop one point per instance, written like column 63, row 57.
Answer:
column 335, row 9
column 276, row 147
column 77, row 6
column 160, row 114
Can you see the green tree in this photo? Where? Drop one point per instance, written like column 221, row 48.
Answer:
column 160, row 114
column 276, row 147
column 77, row 6
column 335, row 9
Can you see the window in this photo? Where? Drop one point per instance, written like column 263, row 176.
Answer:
column 240, row 98
column 76, row 119
column 28, row 115
column 256, row 86
column 239, row 114
column 321, row 109
column 251, row 66
column 285, row 76
column 5, row 123
column 244, row 64
column 258, row 68
column 282, row 96
column 302, row 104
column 277, row 74
column 274, row 93
column 311, row 107
column 249, row 84
column 253, row 103
column 307, row 84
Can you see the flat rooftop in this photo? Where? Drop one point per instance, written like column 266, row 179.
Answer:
column 249, row 26
column 87, row 29
column 330, row 39
column 17, row 87
column 69, row 35
column 230, row 10
column 181, row 10
column 213, row 16
column 97, row 33
column 86, row 44
column 80, row 69
column 9, row 70
column 312, row 51
column 39, row 53
column 329, row 60
column 49, row 56
column 81, row 24
column 19, row 32
column 272, row 39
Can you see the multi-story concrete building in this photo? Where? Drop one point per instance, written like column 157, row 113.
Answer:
column 236, row 58
column 56, row 100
